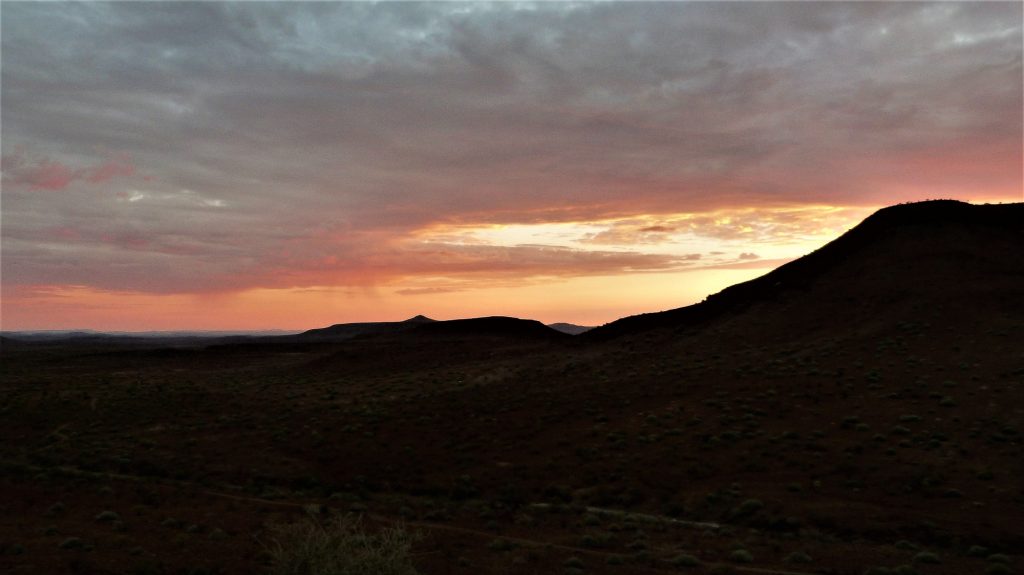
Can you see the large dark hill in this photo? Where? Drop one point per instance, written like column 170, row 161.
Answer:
column 942, row 253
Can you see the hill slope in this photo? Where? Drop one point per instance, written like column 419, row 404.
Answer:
column 943, row 252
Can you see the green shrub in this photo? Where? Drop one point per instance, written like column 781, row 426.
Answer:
column 338, row 547
column 741, row 556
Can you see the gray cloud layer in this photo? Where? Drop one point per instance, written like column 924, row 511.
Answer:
column 247, row 133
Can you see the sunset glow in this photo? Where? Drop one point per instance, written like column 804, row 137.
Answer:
column 273, row 165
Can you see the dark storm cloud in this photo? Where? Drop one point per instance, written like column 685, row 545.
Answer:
column 257, row 129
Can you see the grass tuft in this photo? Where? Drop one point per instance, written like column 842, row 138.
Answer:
column 339, row 546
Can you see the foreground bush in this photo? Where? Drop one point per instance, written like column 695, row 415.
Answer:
column 338, row 546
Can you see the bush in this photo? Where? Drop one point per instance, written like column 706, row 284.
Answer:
column 799, row 557
column 926, row 557
column 741, row 556
column 338, row 547
column 748, row 507
column 684, row 560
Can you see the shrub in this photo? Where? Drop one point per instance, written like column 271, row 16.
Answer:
column 107, row 516
column 748, row 507
column 741, row 556
column 338, row 547
column 500, row 544
column 573, row 562
column 684, row 560
column 977, row 551
column 799, row 557
column 72, row 543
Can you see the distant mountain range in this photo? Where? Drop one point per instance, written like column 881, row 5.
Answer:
column 491, row 326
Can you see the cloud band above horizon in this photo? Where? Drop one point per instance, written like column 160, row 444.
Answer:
column 214, row 148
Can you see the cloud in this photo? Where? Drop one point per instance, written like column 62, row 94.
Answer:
column 769, row 224
column 119, row 166
column 341, row 130
column 749, row 256
column 42, row 173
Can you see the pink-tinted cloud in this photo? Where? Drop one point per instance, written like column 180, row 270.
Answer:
column 46, row 174
column 43, row 174
column 119, row 166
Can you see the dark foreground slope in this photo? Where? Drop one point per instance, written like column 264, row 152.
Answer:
column 934, row 253
column 867, row 414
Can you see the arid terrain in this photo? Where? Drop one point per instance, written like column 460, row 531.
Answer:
column 860, row 410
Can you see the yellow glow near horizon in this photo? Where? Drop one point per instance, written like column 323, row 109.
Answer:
column 777, row 232
column 585, row 301
column 712, row 250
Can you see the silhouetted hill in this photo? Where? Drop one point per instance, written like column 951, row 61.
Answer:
column 419, row 319
column 421, row 326
column 342, row 331
column 939, row 253
column 570, row 328
column 489, row 327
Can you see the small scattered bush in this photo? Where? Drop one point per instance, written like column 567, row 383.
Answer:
column 573, row 562
column 741, row 556
column 72, row 543
column 748, row 507
column 338, row 547
column 798, row 557
column 684, row 560
column 108, row 516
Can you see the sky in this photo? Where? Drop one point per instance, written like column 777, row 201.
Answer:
column 255, row 165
